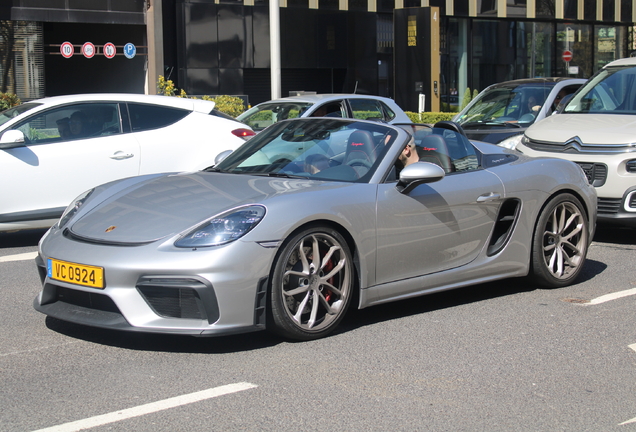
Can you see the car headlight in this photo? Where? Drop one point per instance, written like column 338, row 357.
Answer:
column 511, row 142
column 223, row 228
column 72, row 209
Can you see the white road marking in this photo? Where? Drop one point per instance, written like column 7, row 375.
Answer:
column 632, row 346
column 612, row 296
column 19, row 257
column 149, row 408
column 628, row 422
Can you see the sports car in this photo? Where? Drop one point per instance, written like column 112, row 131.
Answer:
column 307, row 219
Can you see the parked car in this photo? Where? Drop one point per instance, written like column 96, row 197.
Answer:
column 352, row 106
column 597, row 130
column 54, row 148
column 285, row 231
column 502, row 112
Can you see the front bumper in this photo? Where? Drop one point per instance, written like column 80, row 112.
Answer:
column 615, row 184
column 158, row 288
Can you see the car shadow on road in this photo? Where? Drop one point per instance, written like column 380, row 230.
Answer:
column 165, row 343
column 21, row 238
column 353, row 320
column 452, row 298
column 615, row 234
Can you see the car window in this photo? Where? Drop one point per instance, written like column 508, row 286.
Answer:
column 611, row 91
column 320, row 149
column 390, row 114
column 72, row 122
column 12, row 113
column 507, row 104
column 266, row 114
column 145, row 117
column 366, row 109
column 446, row 148
column 331, row 109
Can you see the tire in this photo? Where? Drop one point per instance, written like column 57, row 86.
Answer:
column 560, row 242
column 309, row 297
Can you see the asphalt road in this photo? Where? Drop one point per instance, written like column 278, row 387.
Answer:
column 495, row 357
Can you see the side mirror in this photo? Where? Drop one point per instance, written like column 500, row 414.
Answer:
column 11, row 139
column 221, row 156
column 419, row 173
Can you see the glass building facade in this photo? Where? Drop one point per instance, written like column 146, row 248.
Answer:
column 214, row 47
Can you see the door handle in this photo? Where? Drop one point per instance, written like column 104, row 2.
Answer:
column 121, row 155
column 492, row 196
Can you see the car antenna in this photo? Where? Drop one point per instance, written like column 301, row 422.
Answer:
column 355, row 89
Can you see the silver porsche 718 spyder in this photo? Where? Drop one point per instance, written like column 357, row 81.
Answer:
column 285, row 231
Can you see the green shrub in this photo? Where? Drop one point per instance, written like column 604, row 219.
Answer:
column 230, row 105
column 430, row 117
column 8, row 100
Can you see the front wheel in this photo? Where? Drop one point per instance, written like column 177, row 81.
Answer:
column 312, row 284
column 560, row 242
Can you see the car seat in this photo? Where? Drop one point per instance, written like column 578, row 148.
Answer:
column 360, row 152
column 433, row 149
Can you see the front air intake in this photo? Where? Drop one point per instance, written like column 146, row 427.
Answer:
column 179, row 297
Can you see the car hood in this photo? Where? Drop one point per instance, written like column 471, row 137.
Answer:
column 590, row 128
column 168, row 205
column 492, row 135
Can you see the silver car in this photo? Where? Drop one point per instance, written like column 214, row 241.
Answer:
column 311, row 213
column 354, row 106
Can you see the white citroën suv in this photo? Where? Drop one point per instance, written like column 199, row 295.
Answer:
column 597, row 130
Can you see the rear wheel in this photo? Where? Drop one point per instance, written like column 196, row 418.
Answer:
column 311, row 285
column 560, row 242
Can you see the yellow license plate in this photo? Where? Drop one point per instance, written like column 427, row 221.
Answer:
column 79, row 274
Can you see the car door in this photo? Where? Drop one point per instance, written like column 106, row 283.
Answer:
column 54, row 166
column 436, row 226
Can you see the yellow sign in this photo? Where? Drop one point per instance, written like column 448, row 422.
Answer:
column 412, row 31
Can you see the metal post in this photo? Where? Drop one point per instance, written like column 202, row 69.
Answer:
column 274, row 47
column 154, row 34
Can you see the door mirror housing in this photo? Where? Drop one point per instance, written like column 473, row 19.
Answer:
column 419, row 173
column 11, row 139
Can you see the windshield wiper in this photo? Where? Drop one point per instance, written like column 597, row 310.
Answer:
column 475, row 125
column 284, row 175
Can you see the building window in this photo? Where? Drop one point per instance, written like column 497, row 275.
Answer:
column 21, row 59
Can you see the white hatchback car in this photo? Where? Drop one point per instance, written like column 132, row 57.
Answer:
column 597, row 130
column 53, row 149
column 355, row 106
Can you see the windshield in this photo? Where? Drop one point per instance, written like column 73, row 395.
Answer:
column 263, row 115
column 12, row 113
column 321, row 149
column 506, row 106
column 611, row 91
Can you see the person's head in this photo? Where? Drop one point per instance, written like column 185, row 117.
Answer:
column 320, row 112
column 409, row 154
column 76, row 124
column 64, row 127
column 315, row 163
column 559, row 97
